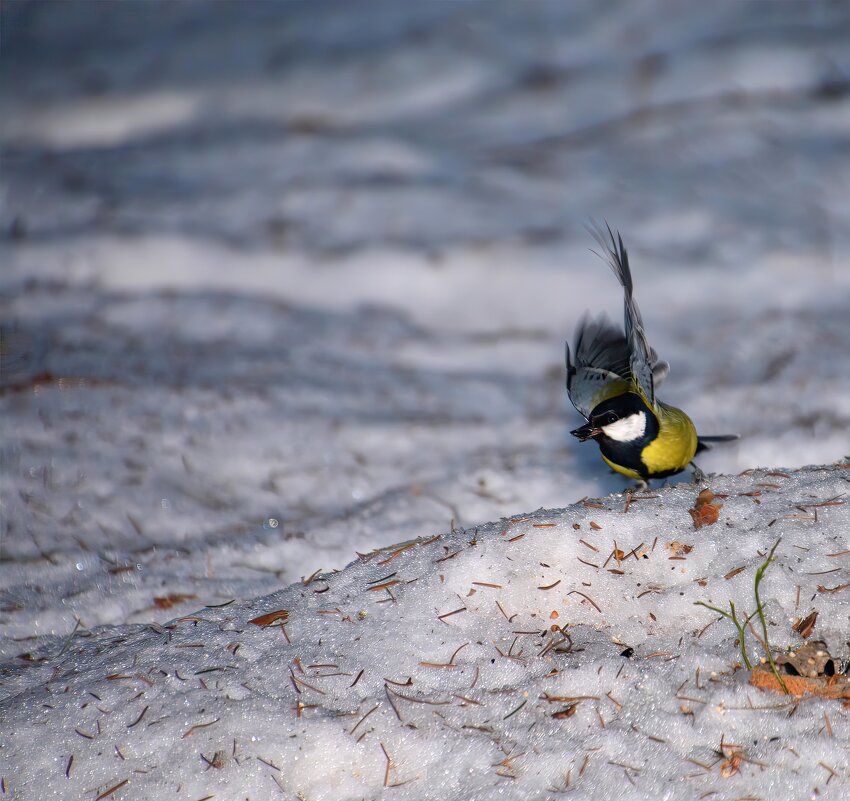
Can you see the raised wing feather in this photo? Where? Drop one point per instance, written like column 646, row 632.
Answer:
column 601, row 366
column 641, row 356
column 599, row 343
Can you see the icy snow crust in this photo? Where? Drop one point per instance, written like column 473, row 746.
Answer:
column 282, row 286
column 430, row 670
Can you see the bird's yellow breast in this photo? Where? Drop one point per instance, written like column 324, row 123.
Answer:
column 675, row 445
column 625, row 471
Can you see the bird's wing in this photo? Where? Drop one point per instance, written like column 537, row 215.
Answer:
column 641, row 357
column 659, row 371
column 601, row 365
column 600, row 344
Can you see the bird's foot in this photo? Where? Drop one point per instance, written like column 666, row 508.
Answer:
column 639, row 487
column 699, row 476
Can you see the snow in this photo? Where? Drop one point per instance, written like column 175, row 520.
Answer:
column 291, row 286
column 445, row 658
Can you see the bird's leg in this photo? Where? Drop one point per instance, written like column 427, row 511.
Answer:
column 639, row 487
column 699, row 476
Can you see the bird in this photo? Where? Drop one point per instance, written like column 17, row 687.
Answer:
column 611, row 381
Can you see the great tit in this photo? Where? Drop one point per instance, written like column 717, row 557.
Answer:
column 612, row 383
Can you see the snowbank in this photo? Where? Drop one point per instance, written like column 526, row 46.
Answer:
column 553, row 653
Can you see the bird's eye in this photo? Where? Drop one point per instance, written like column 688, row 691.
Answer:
column 613, row 417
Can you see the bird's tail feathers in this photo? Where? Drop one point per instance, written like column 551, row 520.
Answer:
column 704, row 442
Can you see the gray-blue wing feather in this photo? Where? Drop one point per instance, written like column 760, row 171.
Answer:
column 601, row 356
column 641, row 357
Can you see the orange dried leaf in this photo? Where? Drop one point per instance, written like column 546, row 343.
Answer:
column 679, row 548
column 566, row 712
column 806, row 626
column 705, row 513
column 272, row 617
column 837, row 687
column 731, row 766
column 838, row 588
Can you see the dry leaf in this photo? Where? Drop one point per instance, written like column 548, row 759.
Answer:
column 566, row 712
column 679, row 548
column 705, row 515
column 810, row 669
column 731, row 765
column 806, row 626
column 705, row 512
column 839, row 588
column 824, row 686
column 811, row 659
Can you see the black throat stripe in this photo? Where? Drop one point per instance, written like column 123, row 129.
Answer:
column 628, row 454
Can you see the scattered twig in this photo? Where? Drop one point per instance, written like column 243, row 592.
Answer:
column 514, row 711
column 138, row 719
column 449, row 664
column 111, row 790
column 356, row 725
column 192, row 729
column 587, row 598
column 389, row 766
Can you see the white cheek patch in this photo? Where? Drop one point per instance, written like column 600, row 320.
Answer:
column 628, row 429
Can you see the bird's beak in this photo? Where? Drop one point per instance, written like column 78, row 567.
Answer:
column 586, row 432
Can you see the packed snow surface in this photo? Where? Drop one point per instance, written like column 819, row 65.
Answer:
column 556, row 653
column 282, row 284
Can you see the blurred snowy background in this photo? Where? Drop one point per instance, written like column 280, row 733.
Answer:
column 284, row 282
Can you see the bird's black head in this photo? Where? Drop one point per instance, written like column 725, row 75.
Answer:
column 622, row 421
